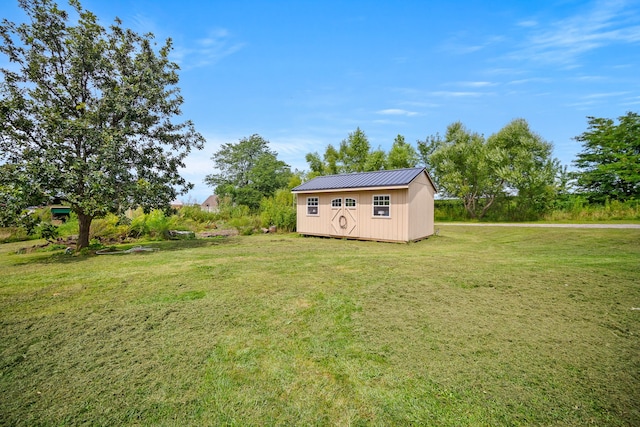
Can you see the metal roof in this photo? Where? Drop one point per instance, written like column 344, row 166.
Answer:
column 384, row 178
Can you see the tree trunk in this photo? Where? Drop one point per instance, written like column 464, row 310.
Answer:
column 84, row 222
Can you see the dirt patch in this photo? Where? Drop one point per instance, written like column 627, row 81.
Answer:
column 216, row 233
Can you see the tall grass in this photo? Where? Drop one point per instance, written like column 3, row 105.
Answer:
column 566, row 209
column 579, row 209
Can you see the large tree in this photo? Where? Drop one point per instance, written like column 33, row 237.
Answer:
column 514, row 161
column 463, row 165
column 526, row 166
column 89, row 113
column 609, row 164
column 248, row 171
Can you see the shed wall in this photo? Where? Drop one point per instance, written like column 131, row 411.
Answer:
column 393, row 228
column 421, row 208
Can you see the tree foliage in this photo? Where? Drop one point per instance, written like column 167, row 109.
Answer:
column 16, row 193
column 248, row 171
column 401, row 155
column 355, row 155
column 609, row 164
column 526, row 166
column 462, row 165
column 88, row 113
column 514, row 161
column 354, row 152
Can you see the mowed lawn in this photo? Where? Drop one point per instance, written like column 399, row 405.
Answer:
column 476, row 326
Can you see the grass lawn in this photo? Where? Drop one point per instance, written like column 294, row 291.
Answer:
column 476, row 326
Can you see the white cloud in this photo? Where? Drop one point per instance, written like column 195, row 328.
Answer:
column 218, row 44
column 605, row 95
column 476, row 84
column 457, row 44
column 530, row 80
column 528, row 23
column 454, row 94
column 397, row 112
column 564, row 41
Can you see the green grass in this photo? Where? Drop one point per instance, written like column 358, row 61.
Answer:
column 476, row 326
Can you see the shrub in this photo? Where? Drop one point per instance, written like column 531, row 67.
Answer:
column 155, row 224
column 279, row 210
column 110, row 227
column 195, row 213
column 138, row 225
column 48, row 231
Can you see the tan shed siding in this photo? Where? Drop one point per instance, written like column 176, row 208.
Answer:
column 381, row 228
column 315, row 224
column 421, row 195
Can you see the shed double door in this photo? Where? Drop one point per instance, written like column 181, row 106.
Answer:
column 344, row 215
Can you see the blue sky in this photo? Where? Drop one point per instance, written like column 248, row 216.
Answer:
column 304, row 74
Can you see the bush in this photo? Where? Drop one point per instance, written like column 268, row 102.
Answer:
column 196, row 214
column 279, row 210
column 48, row 231
column 155, row 224
column 110, row 227
column 227, row 210
column 245, row 225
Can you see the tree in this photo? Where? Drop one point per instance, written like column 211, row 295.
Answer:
column 354, row 152
column 316, row 165
column 248, row 171
column 377, row 160
column 514, row 161
column 426, row 149
column 526, row 166
column 608, row 164
column 462, row 165
column 401, row 155
column 355, row 155
column 88, row 113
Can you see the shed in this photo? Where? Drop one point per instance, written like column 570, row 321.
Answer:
column 389, row 205
column 60, row 213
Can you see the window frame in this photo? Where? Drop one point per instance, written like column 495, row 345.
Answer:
column 337, row 205
column 376, row 200
column 346, row 204
column 311, row 205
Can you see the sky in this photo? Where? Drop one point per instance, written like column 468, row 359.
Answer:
column 304, row 74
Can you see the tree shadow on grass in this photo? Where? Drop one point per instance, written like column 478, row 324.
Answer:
column 60, row 256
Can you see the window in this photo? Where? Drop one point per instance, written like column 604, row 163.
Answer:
column 381, row 205
column 350, row 203
column 336, row 203
column 312, row 206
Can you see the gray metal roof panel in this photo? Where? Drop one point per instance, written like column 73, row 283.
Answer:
column 384, row 178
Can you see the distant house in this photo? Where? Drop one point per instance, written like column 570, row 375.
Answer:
column 394, row 205
column 176, row 204
column 211, row 204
